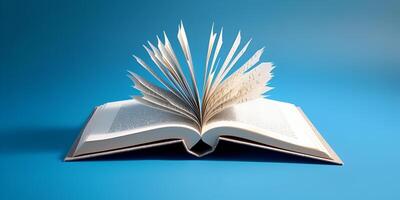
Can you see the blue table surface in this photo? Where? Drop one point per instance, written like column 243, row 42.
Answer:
column 338, row 60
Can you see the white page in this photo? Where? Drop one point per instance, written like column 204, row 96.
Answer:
column 130, row 116
column 162, row 94
column 275, row 119
column 248, row 86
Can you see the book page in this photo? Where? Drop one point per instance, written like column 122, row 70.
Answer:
column 132, row 116
column 164, row 106
column 129, row 123
column 223, row 87
column 271, row 118
column 246, row 87
column 161, row 97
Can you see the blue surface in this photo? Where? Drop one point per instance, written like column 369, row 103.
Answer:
column 339, row 61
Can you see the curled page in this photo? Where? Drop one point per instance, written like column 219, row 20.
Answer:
column 161, row 106
column 162, row 95
column 249, row 86
column 221, row 88
column 164, row 105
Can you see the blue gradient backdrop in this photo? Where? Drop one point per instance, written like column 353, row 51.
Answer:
column 338, row 60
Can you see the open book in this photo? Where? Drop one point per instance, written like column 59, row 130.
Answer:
column 230, row 107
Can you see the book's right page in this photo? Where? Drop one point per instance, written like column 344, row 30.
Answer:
column 268, row 122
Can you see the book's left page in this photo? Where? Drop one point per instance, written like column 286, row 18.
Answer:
column 124, row 124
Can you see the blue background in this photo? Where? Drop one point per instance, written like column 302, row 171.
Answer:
column 338, row 60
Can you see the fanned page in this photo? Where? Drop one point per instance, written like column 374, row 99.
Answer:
column 223, row 87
